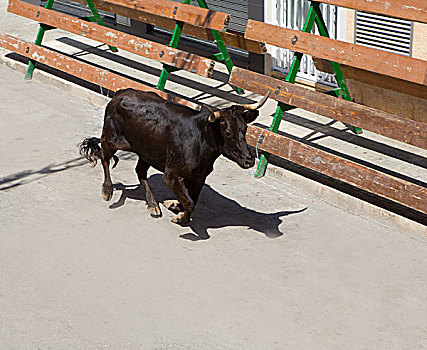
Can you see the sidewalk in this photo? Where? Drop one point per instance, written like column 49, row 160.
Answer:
column 265, row 264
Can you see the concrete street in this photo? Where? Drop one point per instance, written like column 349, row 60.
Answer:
column 283, row 262
column 263, row 265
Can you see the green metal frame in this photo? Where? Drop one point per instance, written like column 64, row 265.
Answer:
column 43, row 28
column 314, row 15
column 223, row 54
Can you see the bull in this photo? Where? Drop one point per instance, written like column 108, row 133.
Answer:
column 174, row 139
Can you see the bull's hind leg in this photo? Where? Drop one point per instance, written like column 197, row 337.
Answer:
column 193, row 190
column 107, row 152
column 179, row 187
column 152, row 206
column 173, row 205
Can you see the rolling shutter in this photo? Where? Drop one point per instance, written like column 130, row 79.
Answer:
column 237, row 9
column 384, row 32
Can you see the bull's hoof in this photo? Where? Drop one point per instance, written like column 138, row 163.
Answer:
column 107, row 192
column 181, row 219
column 155, row 212
column 173, row 205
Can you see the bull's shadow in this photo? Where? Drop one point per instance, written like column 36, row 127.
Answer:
column 213, row 210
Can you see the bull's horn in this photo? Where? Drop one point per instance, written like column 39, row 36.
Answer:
column 212, row 115
column 259, row 104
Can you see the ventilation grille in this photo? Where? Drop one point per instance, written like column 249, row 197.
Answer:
column 384, row 33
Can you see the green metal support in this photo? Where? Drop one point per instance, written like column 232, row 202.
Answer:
column 223, row 55
column 221, row 46
column 173, row 43
column 334, row 92
column 217, row 56
column 98, row 19
column 314, row 15
column 38, row 41
column 339, row 76
column 43, row 28
column 282, row 107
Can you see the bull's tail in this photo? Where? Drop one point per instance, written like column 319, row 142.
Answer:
column 90, row 149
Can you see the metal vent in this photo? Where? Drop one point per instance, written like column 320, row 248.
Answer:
column 384, row 33
column 124, row 21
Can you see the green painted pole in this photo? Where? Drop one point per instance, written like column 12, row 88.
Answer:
column 223, row 49
column 43, row 28
column 281, row 107
column 176, row 35
column 98, row 19
column 38, row 41
column 339, row 76
column 222, row 55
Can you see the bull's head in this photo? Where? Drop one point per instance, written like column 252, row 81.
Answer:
column 232, row 123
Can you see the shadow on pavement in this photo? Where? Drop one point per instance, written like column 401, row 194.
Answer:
column 213, row 210
column 27, row 176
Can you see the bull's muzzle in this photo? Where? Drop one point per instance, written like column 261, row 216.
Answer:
column 247, row 162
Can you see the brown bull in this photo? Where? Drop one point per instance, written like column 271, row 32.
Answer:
column 174, row 139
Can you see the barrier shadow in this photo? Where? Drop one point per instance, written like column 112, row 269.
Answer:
column 366, row 143
column 358, row 140
column 28, row 176
column 213, row 210
column 197, row 85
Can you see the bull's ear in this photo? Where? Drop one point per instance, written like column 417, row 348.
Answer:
column 250, row 116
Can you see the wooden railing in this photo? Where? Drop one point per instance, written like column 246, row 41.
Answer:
column 409, row 73
column 404, row 74
column 207, row 21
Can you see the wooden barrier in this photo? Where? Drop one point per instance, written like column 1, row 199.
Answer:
column 231, row 39
column 382, row 123
column 149, row 49
column 398, row 72
column 400, row 68
column 398, row 190
column 179, row 12
column 391, row 64
column 172, row 58
column 413, row 10
column 84, row 71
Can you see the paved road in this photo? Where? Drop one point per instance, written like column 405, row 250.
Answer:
column 263, row 265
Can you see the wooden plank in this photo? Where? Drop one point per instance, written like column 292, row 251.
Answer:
column 152, row 50
column 413, row 10
column 179, row 12
column 231, row 39
column 384, row 185
column 387, row 100
column 98, row 76
column 380, row 80
column 387, row 63
column 386, row 124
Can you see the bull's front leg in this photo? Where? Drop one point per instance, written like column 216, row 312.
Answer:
column 178, row 187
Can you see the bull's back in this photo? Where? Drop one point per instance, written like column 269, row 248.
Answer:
column 148, row 123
